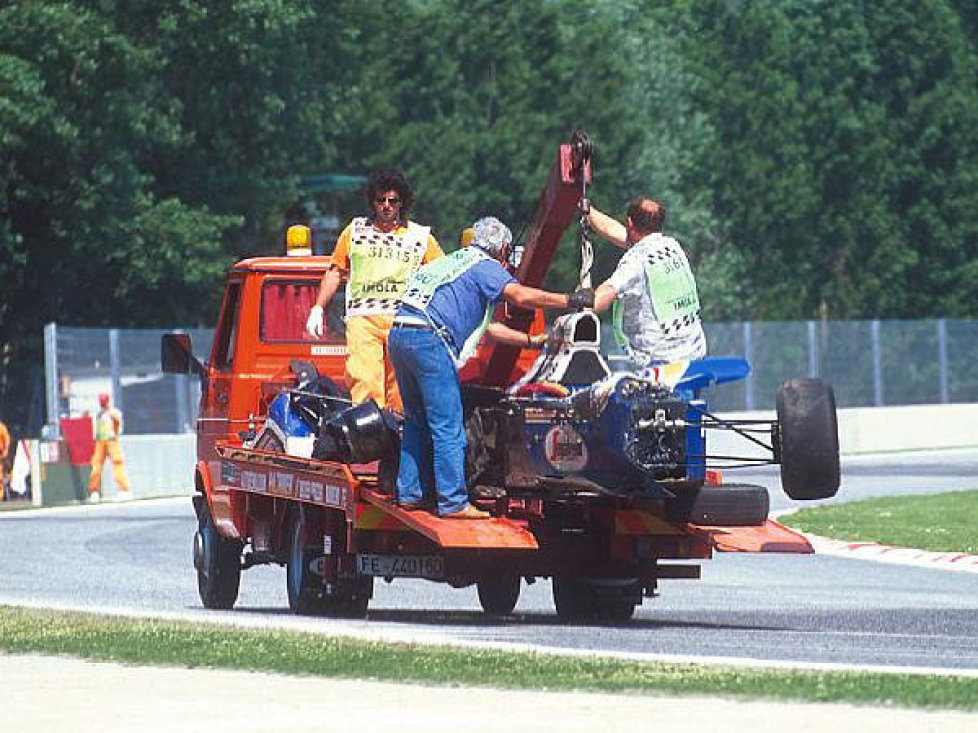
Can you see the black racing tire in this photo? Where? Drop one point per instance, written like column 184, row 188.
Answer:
column 498, row 594
column 729, row 505
column 808, row 439
column 587, row 599
column 217, row 561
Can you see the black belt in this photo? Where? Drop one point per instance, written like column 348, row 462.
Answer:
column 422, row 326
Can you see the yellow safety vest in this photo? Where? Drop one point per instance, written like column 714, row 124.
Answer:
column 380, row 264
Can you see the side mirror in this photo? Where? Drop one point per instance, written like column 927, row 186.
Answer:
column 176, row 355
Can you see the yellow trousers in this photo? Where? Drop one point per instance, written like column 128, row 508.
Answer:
column 369, row 372
column 110, row 449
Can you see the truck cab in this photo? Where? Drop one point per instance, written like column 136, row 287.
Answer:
column 260, row 332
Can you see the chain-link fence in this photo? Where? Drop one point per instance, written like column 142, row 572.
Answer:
column 869, row 363
column 81, row 363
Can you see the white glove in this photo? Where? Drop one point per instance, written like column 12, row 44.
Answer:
column 314, row 324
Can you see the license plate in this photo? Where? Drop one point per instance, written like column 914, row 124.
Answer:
column 402, row 566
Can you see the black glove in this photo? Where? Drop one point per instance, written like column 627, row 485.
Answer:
column 580, row 299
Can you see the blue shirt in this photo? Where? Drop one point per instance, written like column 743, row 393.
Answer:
column 459, row 306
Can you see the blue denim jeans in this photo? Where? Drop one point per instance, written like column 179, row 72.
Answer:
column 433, row 439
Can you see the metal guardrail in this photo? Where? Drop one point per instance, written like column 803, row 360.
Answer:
column 870, row 363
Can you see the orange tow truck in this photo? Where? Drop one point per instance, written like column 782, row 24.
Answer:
column 259, row 500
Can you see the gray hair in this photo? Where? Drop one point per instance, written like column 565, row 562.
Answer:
column 491, row 235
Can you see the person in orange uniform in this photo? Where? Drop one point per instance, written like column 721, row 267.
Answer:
column 108, row 428
column 4, row 453
column 375, row 256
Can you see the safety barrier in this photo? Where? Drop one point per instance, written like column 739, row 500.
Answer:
column 163, row 465
column 877, row 430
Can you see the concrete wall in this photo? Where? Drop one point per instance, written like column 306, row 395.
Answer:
column 877, row 430
column 918, row 427
column 158, row 465
column 163, row 465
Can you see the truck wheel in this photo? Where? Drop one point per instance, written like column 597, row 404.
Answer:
column 808, row 439
column 729, row 505
column 307, row 594
column 303, row 596
column 498, row 594
column 218, row 563
column 581, row 599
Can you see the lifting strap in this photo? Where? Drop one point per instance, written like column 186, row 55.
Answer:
column 582, row 153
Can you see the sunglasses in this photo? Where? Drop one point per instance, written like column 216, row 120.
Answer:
column 392, row 200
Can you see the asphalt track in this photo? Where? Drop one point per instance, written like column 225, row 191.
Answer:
column 770, row 609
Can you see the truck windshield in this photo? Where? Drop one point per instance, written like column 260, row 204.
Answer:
column 285, row 307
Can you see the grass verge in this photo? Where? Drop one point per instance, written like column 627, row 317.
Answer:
column 935, row 522
column 152, row 642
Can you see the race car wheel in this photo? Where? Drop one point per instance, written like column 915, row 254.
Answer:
column 585, row 599
column 498, row 594
column 218, row 562
column 808, row 439
column 729, row 505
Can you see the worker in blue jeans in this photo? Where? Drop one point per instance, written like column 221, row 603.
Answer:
column 445, row 303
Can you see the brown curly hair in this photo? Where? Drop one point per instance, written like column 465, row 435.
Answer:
column 391, row 179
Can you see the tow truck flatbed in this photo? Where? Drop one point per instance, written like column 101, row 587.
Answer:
column 568, row 504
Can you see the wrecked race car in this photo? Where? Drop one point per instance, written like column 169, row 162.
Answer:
column 573, row 426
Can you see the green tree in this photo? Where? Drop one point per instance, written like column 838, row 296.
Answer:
column 245, row 90
column 80, row 239
column 844, row 155
column 664, row 137
column 475, row 98
column 756, row 164
column 890, row 126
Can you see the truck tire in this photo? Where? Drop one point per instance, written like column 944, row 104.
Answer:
column 218, row 562
column 807, row 436
column 304, row 597
column 498, row 594
column 730, row 505
column 307, row 594
column 585, row 599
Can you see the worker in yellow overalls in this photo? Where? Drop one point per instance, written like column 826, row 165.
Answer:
column 4, row 454
column 375, row 257
column 108, row 428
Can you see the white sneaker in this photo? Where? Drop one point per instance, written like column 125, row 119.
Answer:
column 123, row 496
column 94, row 498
